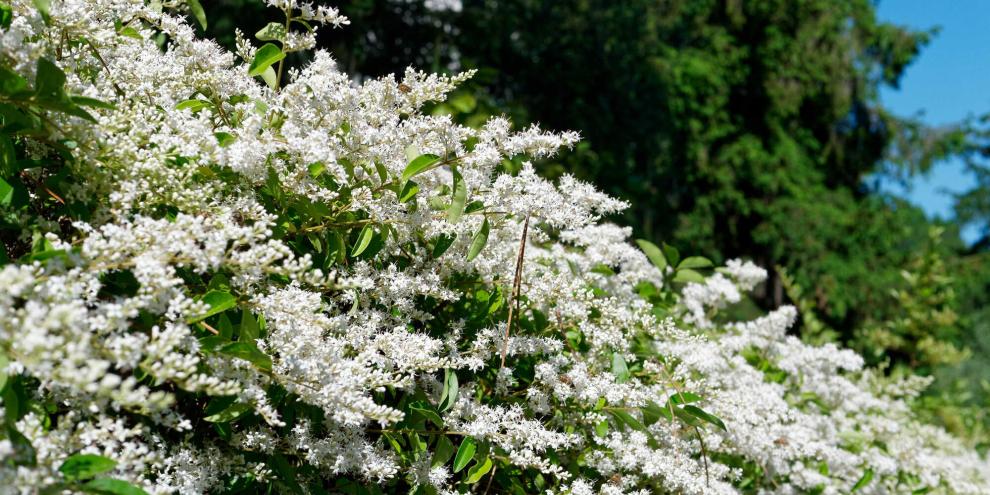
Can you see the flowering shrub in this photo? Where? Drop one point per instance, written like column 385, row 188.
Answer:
column 223, row 275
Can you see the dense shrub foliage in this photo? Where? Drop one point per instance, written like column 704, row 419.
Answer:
column 225, row 275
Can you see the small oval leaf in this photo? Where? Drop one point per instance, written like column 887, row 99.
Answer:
column 274, row 31
column 479, row 470
column 219, row 302
column 694, row 262
column 249, row 353
column 408, row 191
column 464, row 453
column 442, row 244
column 478, row 241
column 364, row 239
column 419, row 165
column 85, row 466
column 653, row 253
column 458, row 199
column 231, row 413
column 688, row 275
column 264, row 58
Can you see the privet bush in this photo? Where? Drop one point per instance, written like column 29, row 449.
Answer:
column 224, row 275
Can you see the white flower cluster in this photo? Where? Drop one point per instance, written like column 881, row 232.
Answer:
column 268, row 292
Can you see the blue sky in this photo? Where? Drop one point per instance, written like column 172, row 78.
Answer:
column 947, row 83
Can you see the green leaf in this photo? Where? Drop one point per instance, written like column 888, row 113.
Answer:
column 694, row 262
column 130, row 32
column 316, row 169
column 111, row 486
column 6, row 193
column 457, row 199
column 653, row 253
column 863, row 480
column 6, row 15
column 673, row 256
column 601, row 429
column 264, row 58
column 85, row 466
column 684, row 398
column 272, row 32
column 248, row 352
column 603, row 269
column 92, row 102
column 268, row 75
column 480, row 468
column 193, row 104
column 705, row 416
column 225, row 327
column 474, row 206
column 687, row 275
column 11, row 83
column 219, row 302
column 364, row 239
column 49, row 82
column 229, row 414
column 44, row 7
column 652, row 412
column 623, row 417
column 478, row 241
column 408, row 191
column 450, row 388
column 419, row 165
column 619, row 368
column 286, row 473
column 224, row 138
column 443, row 451
column 4, row 361
column 464, row 453
column 249, row 327
column 442, row 243
column 382, row 171
column 197, row 11
column 424, row 409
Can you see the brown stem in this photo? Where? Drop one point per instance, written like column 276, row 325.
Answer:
column 208, row 328
column 516, row 283
column 106, row 67
column 490, row 478
column 704, row 456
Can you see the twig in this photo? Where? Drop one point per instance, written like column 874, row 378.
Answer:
column 490, row 478
column 56, row 196
column 516, row 283
column 106, row 67
column 704, row 456
column 208, row 328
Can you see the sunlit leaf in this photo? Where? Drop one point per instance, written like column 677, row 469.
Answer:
column 219, row 302
column 364, row 239
column 418, row 165
column 478, row 241
column 264, row 58
column 464, row 453
column 85, row 466
column 457, row 199
column 197, row 11
column 653, row 253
